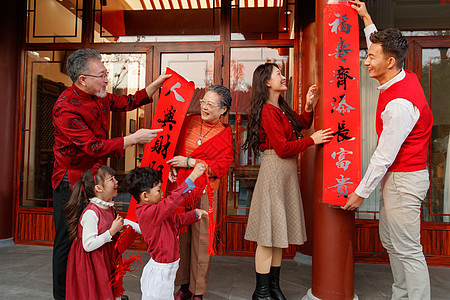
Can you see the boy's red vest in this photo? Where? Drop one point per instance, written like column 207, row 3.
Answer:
column 413, row 152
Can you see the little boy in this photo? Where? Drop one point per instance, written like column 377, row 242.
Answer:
column 160, row 227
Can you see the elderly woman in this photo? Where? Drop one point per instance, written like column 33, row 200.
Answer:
column 203, row 139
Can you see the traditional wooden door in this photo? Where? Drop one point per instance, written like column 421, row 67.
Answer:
column 203, row 64
column 429, row 58
column 244, row 170
column 198, row 63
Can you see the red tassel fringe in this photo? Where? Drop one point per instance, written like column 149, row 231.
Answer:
column 123, row 265
column 191, row 204
column 126, row 239
column 211, row 222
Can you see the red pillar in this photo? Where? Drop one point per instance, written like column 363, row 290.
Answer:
column 11, row 34
column 333, row 228
column 305, row 13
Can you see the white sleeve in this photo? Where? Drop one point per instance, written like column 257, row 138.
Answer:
column 368, row 31
column 399, row 118
column 133, row 224
column 91, row 239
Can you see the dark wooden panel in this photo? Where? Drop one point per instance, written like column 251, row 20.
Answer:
column 436, row 242
column 367, row 238
column 35, row 227
column 371, row 258
column 438, row 261
column 236, row 245
column 171, row 22
column 235, row 238
column 383, row 258
column 432, row 42
column 435, row 239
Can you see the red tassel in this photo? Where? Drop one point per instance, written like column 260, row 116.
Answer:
column 211, row 222
column 121, row 267
column 126, row 239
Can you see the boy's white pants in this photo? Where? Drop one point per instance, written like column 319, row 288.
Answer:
column 158, row 280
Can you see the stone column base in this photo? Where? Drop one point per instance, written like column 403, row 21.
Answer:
column 309, row 296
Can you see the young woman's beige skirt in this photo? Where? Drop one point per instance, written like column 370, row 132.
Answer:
column 276, row 211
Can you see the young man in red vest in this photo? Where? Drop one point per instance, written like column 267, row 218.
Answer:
column 403, row 125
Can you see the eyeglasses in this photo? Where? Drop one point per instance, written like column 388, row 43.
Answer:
column 103, row 76
column 207, row 104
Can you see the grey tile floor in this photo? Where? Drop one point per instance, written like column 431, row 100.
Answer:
column 25, row 273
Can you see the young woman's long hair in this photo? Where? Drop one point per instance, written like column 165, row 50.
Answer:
column 82, row 191
column 260, row 94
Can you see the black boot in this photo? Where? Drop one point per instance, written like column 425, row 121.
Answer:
column 262, row 287
column 274, row 284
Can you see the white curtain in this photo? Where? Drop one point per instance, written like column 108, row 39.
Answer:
column 369, row 99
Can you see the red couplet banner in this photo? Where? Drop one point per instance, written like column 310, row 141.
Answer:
column 341, row 101
column 176, row 95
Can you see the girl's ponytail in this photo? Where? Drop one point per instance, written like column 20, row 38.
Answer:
column 77, row 203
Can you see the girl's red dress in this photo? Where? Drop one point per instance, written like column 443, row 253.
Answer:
column 89, row 273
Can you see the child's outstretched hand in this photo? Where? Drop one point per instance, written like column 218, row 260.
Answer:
column 197, row 172
column 201, row 213
column 116, row 226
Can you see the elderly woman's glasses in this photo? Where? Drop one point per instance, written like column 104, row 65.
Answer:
column 207, row 104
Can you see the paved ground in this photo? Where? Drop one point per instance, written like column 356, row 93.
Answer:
column 25, row 273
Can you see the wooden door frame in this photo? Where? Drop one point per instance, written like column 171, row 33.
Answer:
column 232, row 222
column 413, row 62
column 222, row 55
column 154, row 60
column 441, row 230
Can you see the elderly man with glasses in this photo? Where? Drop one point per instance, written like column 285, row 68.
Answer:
column 81, row 117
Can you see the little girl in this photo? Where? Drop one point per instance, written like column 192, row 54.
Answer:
column 92, row 224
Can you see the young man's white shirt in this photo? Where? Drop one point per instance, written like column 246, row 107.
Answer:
column 399, row 118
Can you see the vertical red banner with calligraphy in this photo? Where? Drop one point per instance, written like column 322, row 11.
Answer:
column 176, row 95
column 341, row 101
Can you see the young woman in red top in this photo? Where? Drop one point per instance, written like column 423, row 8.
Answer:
column 276, row 213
